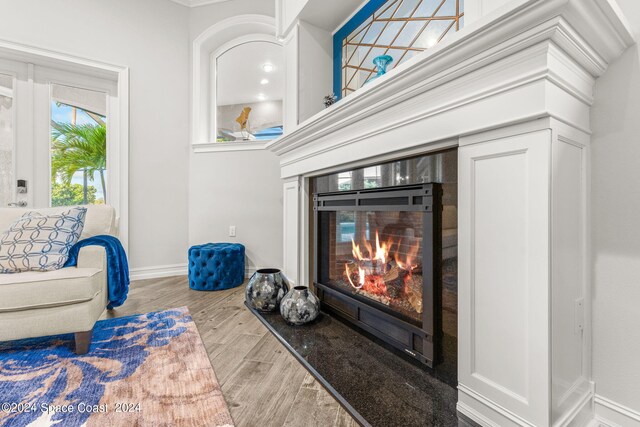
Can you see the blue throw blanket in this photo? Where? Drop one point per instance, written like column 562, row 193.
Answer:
column 117, row 266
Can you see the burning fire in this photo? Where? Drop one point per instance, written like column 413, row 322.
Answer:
column 375, row 269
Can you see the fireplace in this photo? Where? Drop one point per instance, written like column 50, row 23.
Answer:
column 379, row 253
column 513, row 92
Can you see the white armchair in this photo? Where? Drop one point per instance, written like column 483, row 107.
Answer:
column 69, row 300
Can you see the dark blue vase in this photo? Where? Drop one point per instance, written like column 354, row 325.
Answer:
column 381, row 62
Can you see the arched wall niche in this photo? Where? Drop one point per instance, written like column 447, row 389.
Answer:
column 213, row 42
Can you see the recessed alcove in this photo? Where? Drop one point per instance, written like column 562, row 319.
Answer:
column 216, row 43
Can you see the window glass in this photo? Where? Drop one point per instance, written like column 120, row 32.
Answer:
column 400, row 29
column 249, row 92
column 78, row 146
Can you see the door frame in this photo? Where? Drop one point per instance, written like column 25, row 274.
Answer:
column 19, row 73
column 118, row 107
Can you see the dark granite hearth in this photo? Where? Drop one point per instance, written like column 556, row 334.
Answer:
column 375, row 384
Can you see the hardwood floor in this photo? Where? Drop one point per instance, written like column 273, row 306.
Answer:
column 263, row 384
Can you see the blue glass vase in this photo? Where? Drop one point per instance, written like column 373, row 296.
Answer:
column 381, row 62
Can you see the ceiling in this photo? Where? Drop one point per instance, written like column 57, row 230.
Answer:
column 240, row 70
column 330, row 15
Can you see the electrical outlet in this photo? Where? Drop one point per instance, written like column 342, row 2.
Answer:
column 232, row 231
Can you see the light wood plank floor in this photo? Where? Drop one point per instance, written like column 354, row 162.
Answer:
column 263, row 384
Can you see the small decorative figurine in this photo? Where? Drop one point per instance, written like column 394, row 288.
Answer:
column 329, row 100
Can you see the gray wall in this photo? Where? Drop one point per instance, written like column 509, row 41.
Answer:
column 615, row 207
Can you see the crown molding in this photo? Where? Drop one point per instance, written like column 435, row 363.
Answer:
column 541, row 50
column 213, row 147
column 196, row 3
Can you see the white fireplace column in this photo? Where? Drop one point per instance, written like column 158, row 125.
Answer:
column 513, row 91
column 524, row 355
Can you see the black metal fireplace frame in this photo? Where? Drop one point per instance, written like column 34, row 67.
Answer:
column 423, row 342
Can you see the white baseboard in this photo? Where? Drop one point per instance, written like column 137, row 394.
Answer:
column 582, row 413
column 612, row 414
column 249, row 272
column 158, row 271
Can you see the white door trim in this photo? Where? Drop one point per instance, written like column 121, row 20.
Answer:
column 120, row 106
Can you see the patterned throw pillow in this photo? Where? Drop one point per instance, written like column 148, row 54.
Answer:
column 38, row 242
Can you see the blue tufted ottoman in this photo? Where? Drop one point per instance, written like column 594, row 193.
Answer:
column 216, row 266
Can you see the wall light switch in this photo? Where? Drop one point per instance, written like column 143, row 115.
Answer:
column 232, row 231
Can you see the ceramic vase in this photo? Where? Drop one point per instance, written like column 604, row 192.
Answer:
column 265, row 289
column 299, row 306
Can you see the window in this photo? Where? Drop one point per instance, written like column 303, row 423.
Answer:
column 43, row 96
column 249, row 92
column 398, row 28
column 344, row 181
column 236, row 46
column 78, row 146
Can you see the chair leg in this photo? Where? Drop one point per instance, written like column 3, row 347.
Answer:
column 83, row 341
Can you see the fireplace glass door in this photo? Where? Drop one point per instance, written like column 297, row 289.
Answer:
column 377, row 255
column 379, row 262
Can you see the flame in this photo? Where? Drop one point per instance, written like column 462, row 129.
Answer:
column 381, row 253
column 379, row 270
column 373, row 264
column 410, row 258
column 355, row 250
column 360, row 274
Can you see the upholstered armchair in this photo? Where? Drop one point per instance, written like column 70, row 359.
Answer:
column 68, row 300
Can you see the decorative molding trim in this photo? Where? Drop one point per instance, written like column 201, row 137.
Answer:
column 171, row 270
column 612, row 414
column 249, row 271
column 158, row 271
column 196, row 3
column 474, row 416
column 6, row 92
column 568, row 58
column 581, row 411
column 479, row 418
column 215, row 147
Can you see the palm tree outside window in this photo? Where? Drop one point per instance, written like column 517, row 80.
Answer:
column 78, row 156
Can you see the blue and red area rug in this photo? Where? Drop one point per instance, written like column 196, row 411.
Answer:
column 145, row 370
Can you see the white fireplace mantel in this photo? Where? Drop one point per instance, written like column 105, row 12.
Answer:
column 487, row 71
column 513, row 90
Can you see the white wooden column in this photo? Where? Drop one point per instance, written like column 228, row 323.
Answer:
column 291, row 227
column 291, row 73
column 522, row 281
